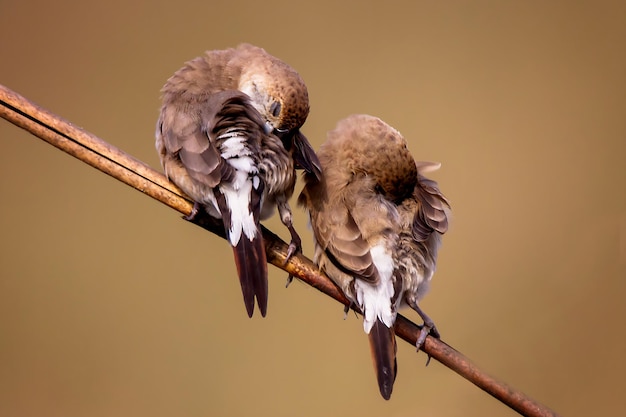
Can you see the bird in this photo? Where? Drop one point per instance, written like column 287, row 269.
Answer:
column 377, row 223
column 228, row 135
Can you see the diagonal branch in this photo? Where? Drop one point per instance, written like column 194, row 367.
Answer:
column 112, row 161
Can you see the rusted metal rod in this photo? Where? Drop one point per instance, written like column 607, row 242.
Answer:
column 114, row 162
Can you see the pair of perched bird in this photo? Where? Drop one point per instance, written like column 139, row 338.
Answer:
column 229, row 136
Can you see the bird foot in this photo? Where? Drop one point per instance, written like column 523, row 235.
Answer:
column 427, row 328
column 428, row 360
column 294, row 247
column 422, row 337
column 289, row 280
column 197, row 208
column 346, row 310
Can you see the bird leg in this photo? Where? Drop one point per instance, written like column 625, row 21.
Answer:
column 294, row 246
column 427, row 328
column 285, row 216
column 296, row 243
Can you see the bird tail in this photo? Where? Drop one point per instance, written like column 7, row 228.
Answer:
column 383, row 348
column 248, row 248
column 252, row 270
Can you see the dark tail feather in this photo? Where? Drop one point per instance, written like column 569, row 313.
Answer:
column 305, row 157
column 252, row 269
column 383, row 347
column 249, row 255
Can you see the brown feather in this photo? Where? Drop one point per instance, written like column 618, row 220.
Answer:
column 252, row 270
column 250, row 258
column 383, row 348
column 305, row 157
column 237, row 92
column 372, row 198
column 336, row 231
column 351, row 251
column 431, row 216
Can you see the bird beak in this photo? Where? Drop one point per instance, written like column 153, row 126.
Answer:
column 268, row 128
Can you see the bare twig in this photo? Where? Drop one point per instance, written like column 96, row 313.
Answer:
column 105, row 157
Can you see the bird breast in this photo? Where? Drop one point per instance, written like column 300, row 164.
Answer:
column 276, row 167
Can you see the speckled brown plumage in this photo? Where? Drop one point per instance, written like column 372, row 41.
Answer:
column 377, row 223
column 229, row 136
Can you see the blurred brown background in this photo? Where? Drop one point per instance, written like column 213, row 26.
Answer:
column 111, row 305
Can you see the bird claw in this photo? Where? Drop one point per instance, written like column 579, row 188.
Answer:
column 291, row 250
column 434, row 332
column 289, row 280
column 346, row 310
column 421, row 338
column 427, row 328
column 295, row 245
column 194, row 213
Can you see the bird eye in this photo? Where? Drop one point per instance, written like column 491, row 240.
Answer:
column 275, row 108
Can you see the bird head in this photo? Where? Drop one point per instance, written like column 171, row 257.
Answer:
column 276, row 90
column 365, row 146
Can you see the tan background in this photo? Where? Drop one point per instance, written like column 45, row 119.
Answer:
column 110, row 305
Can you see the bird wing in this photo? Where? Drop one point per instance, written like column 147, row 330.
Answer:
column 337, row 232
column 184, row 134
column 431, row 215
column 348, row 249
column 193, row 135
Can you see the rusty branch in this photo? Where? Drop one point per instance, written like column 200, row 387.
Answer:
column 112, row 161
